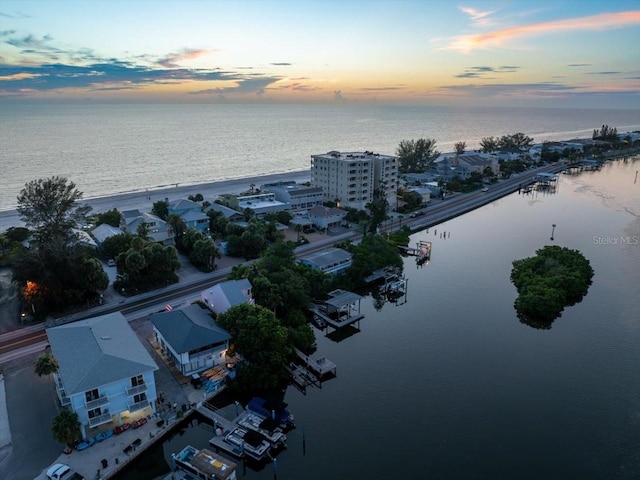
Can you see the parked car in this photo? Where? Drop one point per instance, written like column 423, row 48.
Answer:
column 60, row 471
column 111, row 262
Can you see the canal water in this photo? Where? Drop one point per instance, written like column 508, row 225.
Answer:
column 447, row 383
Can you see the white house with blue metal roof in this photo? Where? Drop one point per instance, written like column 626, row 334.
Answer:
column 104, row 372
column 190, row 338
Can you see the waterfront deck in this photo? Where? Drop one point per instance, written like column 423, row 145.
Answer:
column 320, row 366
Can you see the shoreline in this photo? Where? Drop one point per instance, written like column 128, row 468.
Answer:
column 144, row 199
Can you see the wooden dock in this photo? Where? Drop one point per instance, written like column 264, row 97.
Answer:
column 301, row 378
column 320, row 366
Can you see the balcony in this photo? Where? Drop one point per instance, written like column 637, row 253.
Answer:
column 62, row 394
column 136, row 390
column 134, row 407
column 100, row 419
column 98, row 402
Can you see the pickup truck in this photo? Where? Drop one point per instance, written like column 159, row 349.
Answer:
column 60, row 471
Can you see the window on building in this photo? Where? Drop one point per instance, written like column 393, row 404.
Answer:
column 96, row 412
column 137, row 380
column 141, row 397
column 92, row 395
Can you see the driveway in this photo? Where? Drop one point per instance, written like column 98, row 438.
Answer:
column 31, row 403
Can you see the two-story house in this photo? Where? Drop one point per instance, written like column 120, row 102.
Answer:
column 158, row 230
column 190, row 338
column 104, row 373
column 190, row 212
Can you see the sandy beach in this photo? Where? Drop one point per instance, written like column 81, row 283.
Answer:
column 144, row 199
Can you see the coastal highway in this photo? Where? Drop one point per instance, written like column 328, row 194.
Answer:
column 33, row 339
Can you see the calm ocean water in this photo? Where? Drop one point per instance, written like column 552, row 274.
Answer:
column 108, row 149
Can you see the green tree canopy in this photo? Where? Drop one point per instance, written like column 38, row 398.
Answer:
column 416, row 155
column 262, row 341
column 111, row 217
column 50, row 206
column 160, row 209
column 46, row 364
column 554, row 278
column 66, row 427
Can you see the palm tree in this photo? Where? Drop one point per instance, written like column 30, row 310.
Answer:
column 46, row 365
column 66, row 427
column 298, row 229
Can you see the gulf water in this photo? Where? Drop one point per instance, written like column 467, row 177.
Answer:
column 108, row 149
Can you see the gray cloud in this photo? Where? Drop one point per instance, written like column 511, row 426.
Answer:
column 254, row 84
column 482, row 71
column 509, row 89
column 281, row 64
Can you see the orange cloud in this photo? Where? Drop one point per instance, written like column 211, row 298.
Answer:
column 17, row 76
column 174, row 60
column 496, row 38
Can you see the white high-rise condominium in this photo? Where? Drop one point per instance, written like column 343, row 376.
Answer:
column 351, row 177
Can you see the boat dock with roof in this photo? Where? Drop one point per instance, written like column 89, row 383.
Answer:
column 341, row 309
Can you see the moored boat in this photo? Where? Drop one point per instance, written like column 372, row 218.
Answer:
column 250, row 442
column 204, row 464
column 265, row 426
column 277, row 411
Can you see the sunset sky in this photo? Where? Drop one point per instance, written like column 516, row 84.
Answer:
column 499, row 53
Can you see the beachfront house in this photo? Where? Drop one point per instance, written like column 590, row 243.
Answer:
column 190, row 212
column 229, row 213
column 104, row 231
column 351, row 177
column 159, row 230
column 260, row 203
column 224, row 295
column 300, row 198
column 190, row 338
column 331, row 260
column 325, row 218
column 105, row 375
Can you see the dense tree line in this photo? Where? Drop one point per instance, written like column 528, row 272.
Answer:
column 554, row 278
column 144, row 266
column 57, row 271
